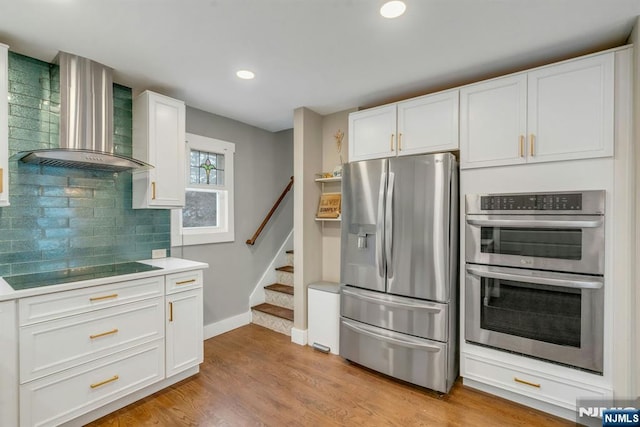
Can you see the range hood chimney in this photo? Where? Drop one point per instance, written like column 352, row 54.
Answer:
column 86, row 120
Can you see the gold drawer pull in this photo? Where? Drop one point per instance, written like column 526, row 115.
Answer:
column 101, row 383
column 518, row 380
column 153, row 190
column 1, row 183
column 103, row 297
column 184, row 282
column 391, row 142
column 170, row 312
column 111, row 332
column 532, row 145
column 400, row 141
column 521, row 145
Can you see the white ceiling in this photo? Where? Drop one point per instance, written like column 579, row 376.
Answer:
column 328, row 55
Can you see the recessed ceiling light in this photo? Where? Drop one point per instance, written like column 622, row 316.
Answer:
column 245, row 74
column 393, row 9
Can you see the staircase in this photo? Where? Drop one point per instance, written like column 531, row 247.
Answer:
column 277, row 312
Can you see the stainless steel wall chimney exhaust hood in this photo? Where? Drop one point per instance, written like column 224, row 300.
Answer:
column 86, row 120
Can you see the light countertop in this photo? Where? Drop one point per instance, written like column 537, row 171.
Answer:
column 167, row 265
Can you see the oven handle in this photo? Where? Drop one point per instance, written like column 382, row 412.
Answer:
column 406, row 305
column 404, row 343
column 535, row 223
column 592, row 283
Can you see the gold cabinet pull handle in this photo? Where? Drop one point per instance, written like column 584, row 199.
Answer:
column 103, row 297
column 521, row 145
column 400, row 142
column 184, row 282
column 101, row 383
column 102, row 334
column 391, row 142
column 518, row 380
column 532, row 145
column 153, row 190
column 170, row 312
column 1, row 181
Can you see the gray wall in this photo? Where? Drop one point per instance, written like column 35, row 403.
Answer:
column 263, row 166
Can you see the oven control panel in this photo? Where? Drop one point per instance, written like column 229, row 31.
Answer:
column 532, row 202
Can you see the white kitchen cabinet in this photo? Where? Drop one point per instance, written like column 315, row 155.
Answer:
column 184, row 326
column 428, row 124
column 558, row 112
column 8, row 364
column 372, row 133
column 159, row 139
column 493, row 122
column 425, row 124
column 4, row 126
column 61, row 397
column 570, row 110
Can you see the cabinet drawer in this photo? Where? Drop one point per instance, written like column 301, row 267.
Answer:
column 67, row 303
column 49, row 347
column 179, row 282
column 61, row 397
column 416, row 360
column 559, row 392
column 424, row 319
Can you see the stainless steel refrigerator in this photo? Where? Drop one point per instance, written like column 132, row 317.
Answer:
column 399, row 253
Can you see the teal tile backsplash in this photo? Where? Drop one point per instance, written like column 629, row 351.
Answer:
column 65, row 217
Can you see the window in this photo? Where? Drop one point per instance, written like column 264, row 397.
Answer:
column 207, row 216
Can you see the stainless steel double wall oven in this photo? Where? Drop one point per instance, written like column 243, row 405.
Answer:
column 534, row 275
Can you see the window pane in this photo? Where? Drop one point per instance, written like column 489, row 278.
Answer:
column 204, row 166
column 200, row 210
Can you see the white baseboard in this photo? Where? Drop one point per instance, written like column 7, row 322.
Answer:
column 226, row 325
column 299, row 336
column 269, row 276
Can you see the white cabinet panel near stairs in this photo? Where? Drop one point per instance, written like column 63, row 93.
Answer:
column 276, row 313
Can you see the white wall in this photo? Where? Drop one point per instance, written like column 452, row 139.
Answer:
column 307, row 153
column 635, row 155
column 330, row 159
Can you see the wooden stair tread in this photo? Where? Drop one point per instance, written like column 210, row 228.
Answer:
column 279, row 287
column 275, row 310
column 286, row 268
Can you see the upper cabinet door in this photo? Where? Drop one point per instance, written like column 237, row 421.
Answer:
column 159, row 139
column 493, row 122
column 4, row 126
column 428, row 124
column 372, row 133
column 570, row 110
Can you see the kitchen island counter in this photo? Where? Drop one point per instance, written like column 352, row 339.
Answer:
column 165, row 266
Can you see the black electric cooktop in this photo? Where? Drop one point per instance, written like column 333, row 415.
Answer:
column 36, row 280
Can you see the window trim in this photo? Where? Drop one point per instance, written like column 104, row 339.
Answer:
column 205, row 235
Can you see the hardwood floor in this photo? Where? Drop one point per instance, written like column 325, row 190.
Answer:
column 254, row 376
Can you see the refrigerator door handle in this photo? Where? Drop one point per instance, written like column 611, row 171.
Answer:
column 380, row 226
column 388, row 230
column 401, row 342
column 414, row 305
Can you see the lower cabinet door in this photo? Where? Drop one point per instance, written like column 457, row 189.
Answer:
column 8, row 364
column 416, row 360
column 184, row 331
column 63, row 396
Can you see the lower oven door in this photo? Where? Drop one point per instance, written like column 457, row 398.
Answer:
column 412, row 359
column 552, row 316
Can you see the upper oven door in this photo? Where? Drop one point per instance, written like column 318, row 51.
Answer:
column 569, row 243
